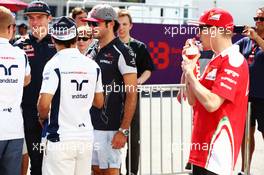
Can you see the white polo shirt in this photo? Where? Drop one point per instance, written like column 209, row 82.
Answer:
column 13, row 68
column 73, row 79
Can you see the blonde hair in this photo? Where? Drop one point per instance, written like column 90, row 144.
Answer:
column 124, row 12
column 6, row 18
column 77, row 11
column 84, row 31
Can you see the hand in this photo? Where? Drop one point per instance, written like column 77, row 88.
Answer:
column 140, row 81
column 41, row 122
column 250, row 32
column 188, row 65
column 119, row 140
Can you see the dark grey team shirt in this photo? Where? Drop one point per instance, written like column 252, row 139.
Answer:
column 115, row 60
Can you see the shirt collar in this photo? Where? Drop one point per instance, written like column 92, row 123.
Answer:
column 68, row 51
column 4, row 40
column 230, row 50
column 111, row 43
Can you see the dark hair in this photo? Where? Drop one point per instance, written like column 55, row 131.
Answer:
column 67, row 43
column 77, row 11
column 116, row 25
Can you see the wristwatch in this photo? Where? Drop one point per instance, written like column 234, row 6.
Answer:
column 124, row 131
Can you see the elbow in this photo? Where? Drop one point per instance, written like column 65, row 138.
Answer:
column 98, row 105
column 98, row 100
column 27, row 80
column 211, row 107
column 190, row 102
column 43, row 111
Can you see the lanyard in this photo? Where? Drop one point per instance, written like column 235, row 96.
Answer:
column 252, row 54
column 129, row 40
column 253, row 48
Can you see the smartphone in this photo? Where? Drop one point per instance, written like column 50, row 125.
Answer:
column 239, row 29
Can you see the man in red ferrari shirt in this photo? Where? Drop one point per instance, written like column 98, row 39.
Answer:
column 219, row 97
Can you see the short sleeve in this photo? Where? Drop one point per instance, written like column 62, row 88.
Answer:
column 145, row 59
column 227, row 80
column 99, row 86
column 127, row 62
column 50, row 81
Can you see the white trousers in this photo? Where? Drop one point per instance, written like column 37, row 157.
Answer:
column 67, row 157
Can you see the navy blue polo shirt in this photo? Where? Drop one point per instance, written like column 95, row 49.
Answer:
column 38, row 55
column 256, row 67
column 115, row 60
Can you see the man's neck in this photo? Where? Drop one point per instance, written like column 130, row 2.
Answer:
column 106, row 40
column 125, row 39
column 82, row 51
column 61, row 47
column 4, row 36
column 222, row 45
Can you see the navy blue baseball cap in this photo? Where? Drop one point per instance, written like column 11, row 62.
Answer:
column 64, row 29
column 37, row 7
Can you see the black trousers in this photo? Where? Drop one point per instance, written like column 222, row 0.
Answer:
column 135, row 147
column 201, row 171
column 33, row 131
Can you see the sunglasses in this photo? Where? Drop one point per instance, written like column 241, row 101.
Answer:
column 93, row 23
column 83, row 38
column 258, row 19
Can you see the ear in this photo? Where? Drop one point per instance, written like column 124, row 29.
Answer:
column 52, row 40
column 112, row 23
column 49, row 18
column 131, row 26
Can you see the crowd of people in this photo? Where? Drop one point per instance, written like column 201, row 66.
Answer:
column 69, row 91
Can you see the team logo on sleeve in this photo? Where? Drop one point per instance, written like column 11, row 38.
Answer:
column 231, row 72
column 211, row 75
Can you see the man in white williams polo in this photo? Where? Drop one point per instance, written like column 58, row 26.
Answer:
column 71, row 84
column 14, row 74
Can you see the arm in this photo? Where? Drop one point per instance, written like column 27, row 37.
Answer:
column 130, row 81
column 209, row 100
column 44, row 103
column 144, row 77
column 98, row 101
column 190, row 95
column 260, row 41
column 27, row 80
column 252, row 34
column 186, row 92
column 27, row 77
column 48, row 88
column 194, row 89
column 145, row 63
